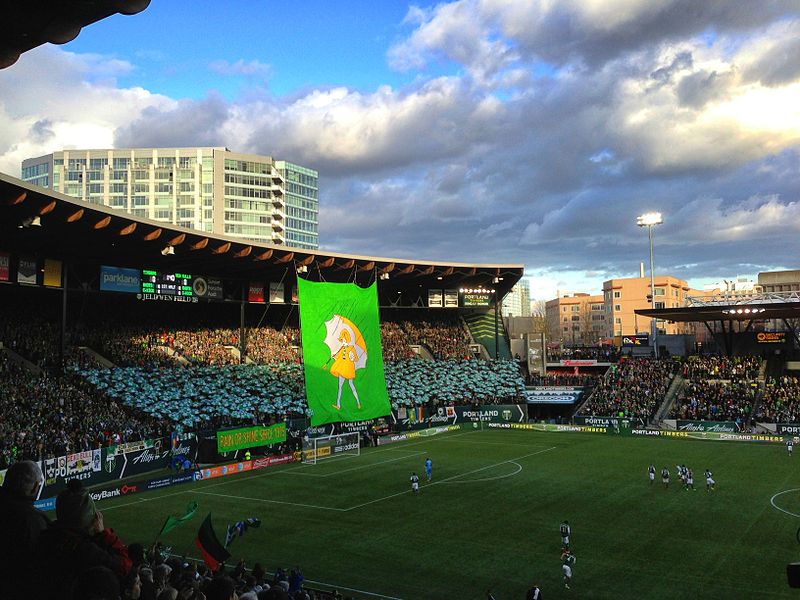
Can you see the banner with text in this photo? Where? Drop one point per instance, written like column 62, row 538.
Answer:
column 250, row 437
column 715, row 426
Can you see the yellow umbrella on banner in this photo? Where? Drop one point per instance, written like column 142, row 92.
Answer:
column 348, row 352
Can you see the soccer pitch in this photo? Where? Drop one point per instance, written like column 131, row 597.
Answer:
column 489, row 518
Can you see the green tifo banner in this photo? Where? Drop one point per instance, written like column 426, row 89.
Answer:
column 250, row 437
column 342, row 355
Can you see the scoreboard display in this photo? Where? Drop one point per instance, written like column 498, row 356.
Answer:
column 167, row 284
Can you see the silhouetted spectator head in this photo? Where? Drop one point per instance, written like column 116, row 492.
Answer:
column 75, row 507
column 221, row 588
column 24, row 479
column 96, row 583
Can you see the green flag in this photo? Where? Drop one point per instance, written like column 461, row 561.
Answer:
column 172, row 522
column 342, row 356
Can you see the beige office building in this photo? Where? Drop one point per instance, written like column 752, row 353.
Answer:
column 576, row 320
column 206, row 188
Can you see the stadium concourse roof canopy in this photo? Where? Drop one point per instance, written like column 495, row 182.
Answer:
column 39, row 222
column 31, row 23
column 728, row 307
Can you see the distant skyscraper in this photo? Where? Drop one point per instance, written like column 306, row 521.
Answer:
column 210, row 189
column 517, row 302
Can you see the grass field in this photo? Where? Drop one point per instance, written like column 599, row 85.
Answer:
column 490, row 518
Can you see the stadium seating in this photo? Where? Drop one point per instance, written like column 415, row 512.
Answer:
column 718, row 388
column 781, row 401
column 44, row 416
column 634, row 389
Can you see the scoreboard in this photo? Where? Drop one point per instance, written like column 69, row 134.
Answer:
column 167, row 283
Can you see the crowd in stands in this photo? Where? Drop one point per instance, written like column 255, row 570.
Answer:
column 733, row 368
column 718, row 388
column 600, row 354
column 709, row 400
column 444, row 339
column 45, row 416
column 85, row 559
column 415, row 382
column 205, row 396
column 394, row 342
column 634, row 389
column 781, row 400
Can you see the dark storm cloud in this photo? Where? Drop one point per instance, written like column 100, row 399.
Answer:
column 190, row 123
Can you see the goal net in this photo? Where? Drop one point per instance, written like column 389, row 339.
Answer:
column 320, row 448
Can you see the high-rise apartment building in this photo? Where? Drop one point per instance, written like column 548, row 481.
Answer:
column 517, row 302
column 211, row 189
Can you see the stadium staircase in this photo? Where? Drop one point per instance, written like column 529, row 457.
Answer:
column 20, row 360
column 182, row 360
column 772, row 368
column 96, row 357
column 422, row 351
column 481, row 326
column 674, row 390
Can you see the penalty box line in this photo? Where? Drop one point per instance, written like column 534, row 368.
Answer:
column 451, row 478
column 335, row 509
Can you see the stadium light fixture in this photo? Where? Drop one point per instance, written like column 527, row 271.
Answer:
column 168, row 250
column 649, row 220
column 30, row 222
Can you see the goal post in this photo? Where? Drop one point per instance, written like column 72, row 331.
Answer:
column 320, row 448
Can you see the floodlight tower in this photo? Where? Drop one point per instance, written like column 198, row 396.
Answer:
column 649, row 220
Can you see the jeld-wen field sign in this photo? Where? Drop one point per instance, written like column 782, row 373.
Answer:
column 250, row 437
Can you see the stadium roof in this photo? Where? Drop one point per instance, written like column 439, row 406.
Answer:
column 31, row 23
column 753, row 311
column 75, row 231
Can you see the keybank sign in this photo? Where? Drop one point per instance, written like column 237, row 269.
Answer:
column 115, row 279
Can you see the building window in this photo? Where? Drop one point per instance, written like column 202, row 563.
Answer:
column 659, row 292
column 618, row 320
column 617, row 294
column 617, row 307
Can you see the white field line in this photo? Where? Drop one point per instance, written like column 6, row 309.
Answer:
column 383, row 462
column 330, row 585
column 772, row 501
column 519, row 470
column 269, row 472
column 269, row 501
column 408, row 491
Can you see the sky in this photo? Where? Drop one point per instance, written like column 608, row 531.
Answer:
column 480, row 131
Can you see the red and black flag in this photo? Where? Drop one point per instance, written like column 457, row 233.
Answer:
column 210, row 547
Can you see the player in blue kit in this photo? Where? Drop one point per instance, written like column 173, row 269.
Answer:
column 428, row 468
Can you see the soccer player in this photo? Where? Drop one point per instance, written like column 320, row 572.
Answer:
column 651, row 472
column 710, row 483
column 665, row 477
column 565, row 531
column 428, row 468
column 534, row 593
column 789, row 446
column 690, row 479
column 567, row 571
column 414, row 483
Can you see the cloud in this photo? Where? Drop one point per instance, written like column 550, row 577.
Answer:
column 541, row 132
column 252, row 68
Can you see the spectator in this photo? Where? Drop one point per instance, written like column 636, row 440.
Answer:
column 78, row 540
column 96, row 583
column 21, row 525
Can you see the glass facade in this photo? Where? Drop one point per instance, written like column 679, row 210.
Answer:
column 301, row 205
column 209, row 189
